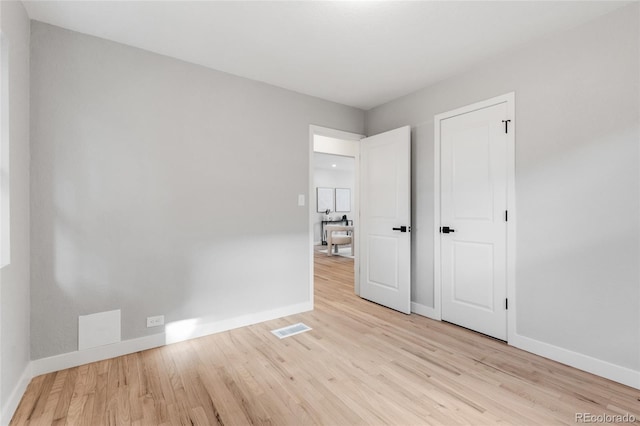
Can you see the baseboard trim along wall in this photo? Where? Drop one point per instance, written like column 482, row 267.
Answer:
column 12, row 403
column 601, row 368
column 199, row 327
column 605, row 369
column 174, row 332
column 191, row 329
column 85, row 356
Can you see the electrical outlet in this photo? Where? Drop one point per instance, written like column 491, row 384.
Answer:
column 155, row 321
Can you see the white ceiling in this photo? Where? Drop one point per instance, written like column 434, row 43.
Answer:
column 361, row 53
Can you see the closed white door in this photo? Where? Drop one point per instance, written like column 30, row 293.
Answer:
column 473, row 220
column 385, row 202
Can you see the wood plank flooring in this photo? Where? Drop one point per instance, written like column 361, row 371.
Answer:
column 361, row 364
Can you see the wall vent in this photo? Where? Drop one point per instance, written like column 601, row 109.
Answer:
column 99, row 329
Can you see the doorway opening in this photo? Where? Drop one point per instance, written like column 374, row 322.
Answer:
column 329, row 147
column 381, row 228
column 334, row 183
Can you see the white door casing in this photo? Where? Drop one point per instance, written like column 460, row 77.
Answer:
column 474, row 262
column 385, row 204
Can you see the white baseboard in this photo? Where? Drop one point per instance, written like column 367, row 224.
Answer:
column 605, row 369
column 174, row 332
column 99, row 353
column 16, row 395
column 191, row 329
column 425, row 311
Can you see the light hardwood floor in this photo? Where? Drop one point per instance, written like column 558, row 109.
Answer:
column 361, row 364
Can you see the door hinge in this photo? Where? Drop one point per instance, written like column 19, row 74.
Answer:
column 506, row 215
column 506, row 304
column 506, row 125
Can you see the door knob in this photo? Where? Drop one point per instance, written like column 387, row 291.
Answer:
column 446, row 230
column 401, row 229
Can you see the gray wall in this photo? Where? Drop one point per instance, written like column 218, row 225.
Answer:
column 161, row 187
column 577, row 181
column 14, row 278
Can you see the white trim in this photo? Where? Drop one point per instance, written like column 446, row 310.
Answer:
column 12, row 403
column 333, row 133
column 203, row 327
column 511, row 222
column 207, row 326
column 577, row 360
column 425, row 311
column 437, row 283
column 509, row 99
column 76, row 358
column 349, row 150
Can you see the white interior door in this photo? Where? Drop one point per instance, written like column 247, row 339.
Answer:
column 473, row 224
column 385, row 216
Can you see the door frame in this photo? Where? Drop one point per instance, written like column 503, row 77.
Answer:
column 349, row 149
column 509, row 99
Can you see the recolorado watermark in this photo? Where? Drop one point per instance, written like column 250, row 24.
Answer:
column 605, row 418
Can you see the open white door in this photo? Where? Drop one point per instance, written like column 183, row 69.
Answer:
column 385, row 217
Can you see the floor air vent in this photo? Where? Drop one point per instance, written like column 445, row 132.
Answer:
column 290, row 330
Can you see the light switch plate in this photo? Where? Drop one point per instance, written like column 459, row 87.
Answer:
column 301, row 200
